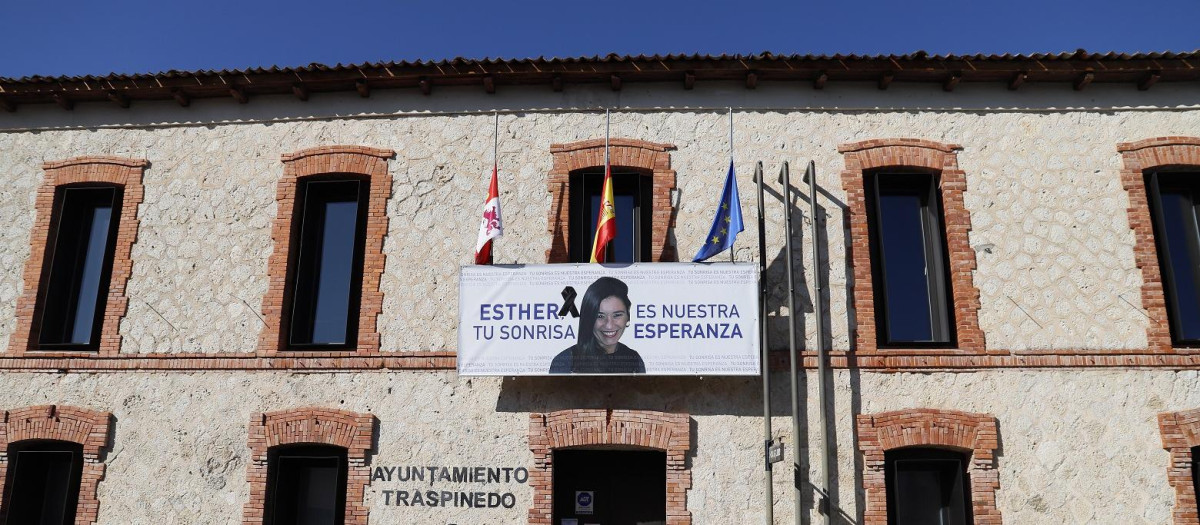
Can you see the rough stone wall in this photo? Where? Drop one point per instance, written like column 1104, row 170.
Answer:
column 1055, row 263
column 1075, row 446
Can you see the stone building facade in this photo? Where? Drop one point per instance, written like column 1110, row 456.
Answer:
column 1063, row 385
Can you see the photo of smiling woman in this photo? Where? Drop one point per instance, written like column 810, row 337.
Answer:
column 603, row 317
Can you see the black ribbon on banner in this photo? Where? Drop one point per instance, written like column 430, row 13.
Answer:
column 568, row 295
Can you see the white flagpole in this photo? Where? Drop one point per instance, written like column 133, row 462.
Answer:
column 607, row 125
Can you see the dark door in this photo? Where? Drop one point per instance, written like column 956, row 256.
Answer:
column 628, row 487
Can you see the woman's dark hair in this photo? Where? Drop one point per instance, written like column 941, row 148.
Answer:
column 600, row 290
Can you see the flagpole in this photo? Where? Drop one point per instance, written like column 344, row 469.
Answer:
column 769, row 476
column 734, row 241
column 607, row 170
column 495, row 166
column 792, row 355
column 607, row 124
column 825, row 495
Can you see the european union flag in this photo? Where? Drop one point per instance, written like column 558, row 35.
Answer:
column 727, row 222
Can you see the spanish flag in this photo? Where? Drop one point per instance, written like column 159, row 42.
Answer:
column 606, row 220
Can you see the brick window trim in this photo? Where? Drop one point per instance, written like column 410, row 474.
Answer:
column 1180, row 432
column 974, row 434
column 669, row 432
column 1138, row 158
column 89, row 428
column 123, row 172
column 368, row 162
column 651, row 159
column 861, row 157
column 311, row 425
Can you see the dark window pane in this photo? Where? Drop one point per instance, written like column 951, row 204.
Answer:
column 906, row 285
column 333, row 287
column 80, row 266
column 631, row 192
column 89, row 285
column 308, row 486
column 1196, row 471
column 908, row 253
column 927, row 487
column 43, row 483
column 329, row 266
column 1173, row 197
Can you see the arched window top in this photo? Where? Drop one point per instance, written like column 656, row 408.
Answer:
column 89, row 428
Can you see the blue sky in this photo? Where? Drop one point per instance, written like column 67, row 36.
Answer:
column 75, row 37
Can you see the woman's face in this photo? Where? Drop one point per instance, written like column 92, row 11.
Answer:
column 611, row 321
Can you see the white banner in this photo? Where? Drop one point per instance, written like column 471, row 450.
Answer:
column 644, row 318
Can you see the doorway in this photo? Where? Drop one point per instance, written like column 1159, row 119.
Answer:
column 619, row 487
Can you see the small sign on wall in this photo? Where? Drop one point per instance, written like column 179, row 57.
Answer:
column 585, row 501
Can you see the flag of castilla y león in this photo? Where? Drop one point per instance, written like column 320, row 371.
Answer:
column 491, row 226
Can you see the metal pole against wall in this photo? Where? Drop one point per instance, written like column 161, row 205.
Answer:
column 791, row 284
column 810, row 174
column 769, row 478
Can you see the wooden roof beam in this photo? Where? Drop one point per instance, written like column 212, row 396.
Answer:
column 119, row 99
column 181, row 98
column 556, row 83
column 1017, row 80
column 886, row 80
column 821, row 80
column 751, row 80
column 1084, row 80
column 489, row 84
column 238, row 94
column 615, row 81
column 7, row 106
column 689, row 80
column 425, row 85
column 362, row 88
column 300, row 91
column 1150, row 80
column 952, row 81
column 63, row 102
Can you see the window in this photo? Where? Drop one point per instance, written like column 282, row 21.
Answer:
column 79, row 257
column 324, row 270
column 623, row 434
column 908, row 253
column 929, row 466
column 78, row 266
column 635, row 162
column 328, row 249
column 1173, row 199
column 308, row 466
column 307, row 485
column 42, row 487
column 1195, row 471
column 632, row 192
column 927, row 486
column 922, row 183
